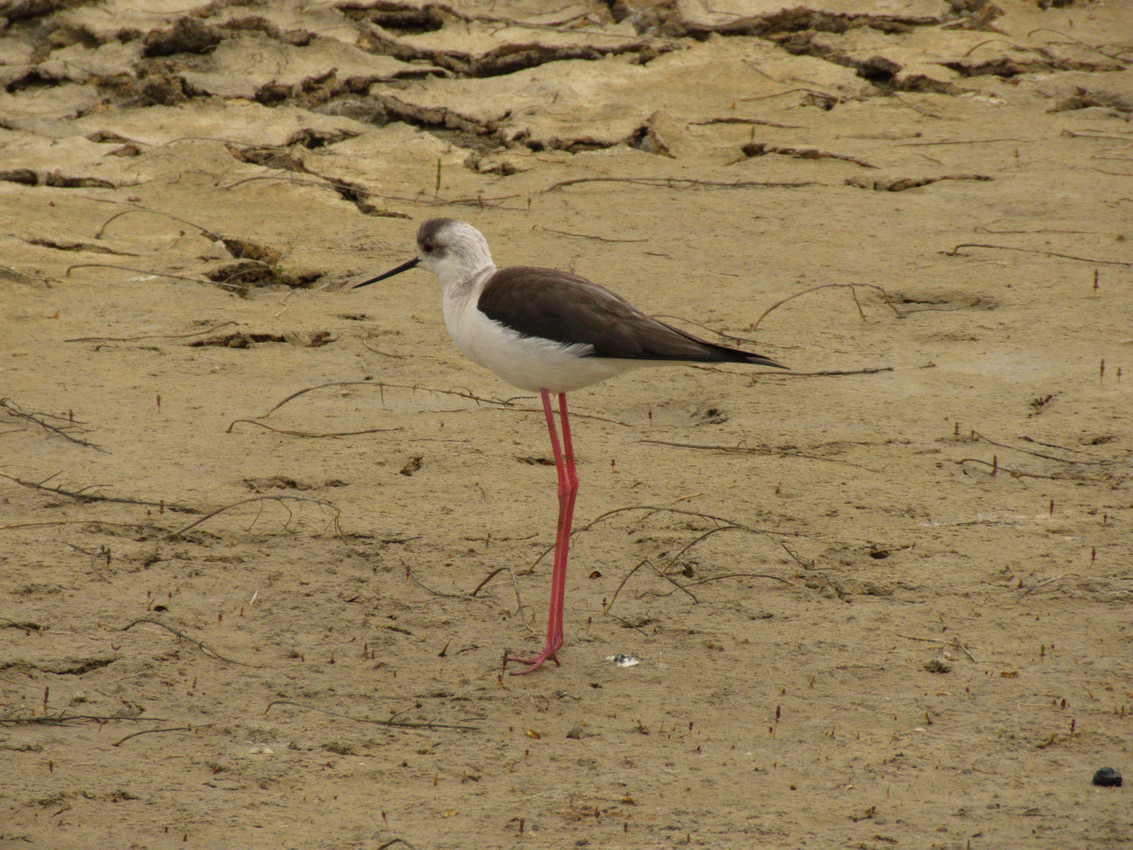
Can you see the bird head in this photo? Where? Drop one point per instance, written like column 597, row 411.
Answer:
column 454, row 251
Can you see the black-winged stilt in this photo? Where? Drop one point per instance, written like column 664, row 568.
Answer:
column 549, row 332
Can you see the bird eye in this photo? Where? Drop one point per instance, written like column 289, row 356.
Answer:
column 427, row 247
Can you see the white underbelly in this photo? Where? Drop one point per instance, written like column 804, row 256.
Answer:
column 529, row 363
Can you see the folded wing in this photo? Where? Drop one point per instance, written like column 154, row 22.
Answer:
column 569, row 309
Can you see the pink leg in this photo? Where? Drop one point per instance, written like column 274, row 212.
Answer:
column 566, row 508
column 568, row 491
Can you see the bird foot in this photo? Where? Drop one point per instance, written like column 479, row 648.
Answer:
column 533, row 663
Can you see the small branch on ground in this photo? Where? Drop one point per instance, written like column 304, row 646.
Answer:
column 954, row 642
column 205, row 648
column 755, row 451
column 955, row 252
column 155, row 336
column 80, row 496
column 335, row 512
column 851, row 286
column 121, row 741
column 40, row 419
column 63, row 717
column 397, row 724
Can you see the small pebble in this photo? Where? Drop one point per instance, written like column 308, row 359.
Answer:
column 624, row 660
column 1107, row 777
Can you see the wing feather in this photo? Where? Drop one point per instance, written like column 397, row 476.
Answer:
column 569, row 309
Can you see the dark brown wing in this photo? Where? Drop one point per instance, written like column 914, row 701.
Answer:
column 566, row 308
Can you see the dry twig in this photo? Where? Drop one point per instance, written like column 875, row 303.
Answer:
column 133, row 527
column 79, row 495
column 382, row 386
column 291, row 433
column 335, row 512
column 959, row 142
column 27, row 625
column 851, row 286
column 431, row 591
column 675, row 182
column 643, row 562
column 155, row 336
column 121, row 741
column 954, row 642
column 1018, row 473
column 698, row 582
column 483, row 583
column 62, row 717
column 150, row 272
column 1101, row 462
column 725, row 524
column 392, row 723
column 102, row 228
column 40, row 419
column 205, row 648
column 955, row 252
column 756, row 451
column 836, row 373
column 583, row 235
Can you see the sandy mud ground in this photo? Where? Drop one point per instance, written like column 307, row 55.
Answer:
column 264, row 540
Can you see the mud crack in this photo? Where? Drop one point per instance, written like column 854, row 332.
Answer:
column 250, row 274
column 1041, row 61
column 31, row 178
column 507, row 58
column 900, row 184
column 753, row 149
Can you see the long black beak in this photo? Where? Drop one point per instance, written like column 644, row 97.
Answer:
column 404, row 267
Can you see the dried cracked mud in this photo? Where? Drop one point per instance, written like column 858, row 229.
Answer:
column 264, row 540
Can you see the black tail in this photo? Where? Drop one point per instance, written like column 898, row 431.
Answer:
column 736, row 355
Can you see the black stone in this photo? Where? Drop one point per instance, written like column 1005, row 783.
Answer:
column 1108, row 777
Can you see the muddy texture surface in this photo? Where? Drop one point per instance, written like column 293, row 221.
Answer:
column 264, row 540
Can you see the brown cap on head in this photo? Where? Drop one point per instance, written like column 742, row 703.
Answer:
column 429, row 230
